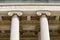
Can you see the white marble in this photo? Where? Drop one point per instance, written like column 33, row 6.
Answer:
column 44, row 28
column 14, row 28
column 29, row 8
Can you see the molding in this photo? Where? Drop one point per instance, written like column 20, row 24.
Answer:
column 29, row 4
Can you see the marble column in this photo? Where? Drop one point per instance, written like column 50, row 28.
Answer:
column 14, row 28
column 44, row 28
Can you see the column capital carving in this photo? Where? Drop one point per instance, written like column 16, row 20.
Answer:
column 41, row 12
column 16, row 13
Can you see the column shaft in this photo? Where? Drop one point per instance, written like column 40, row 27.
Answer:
column 14, row 28
column 44, row 28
